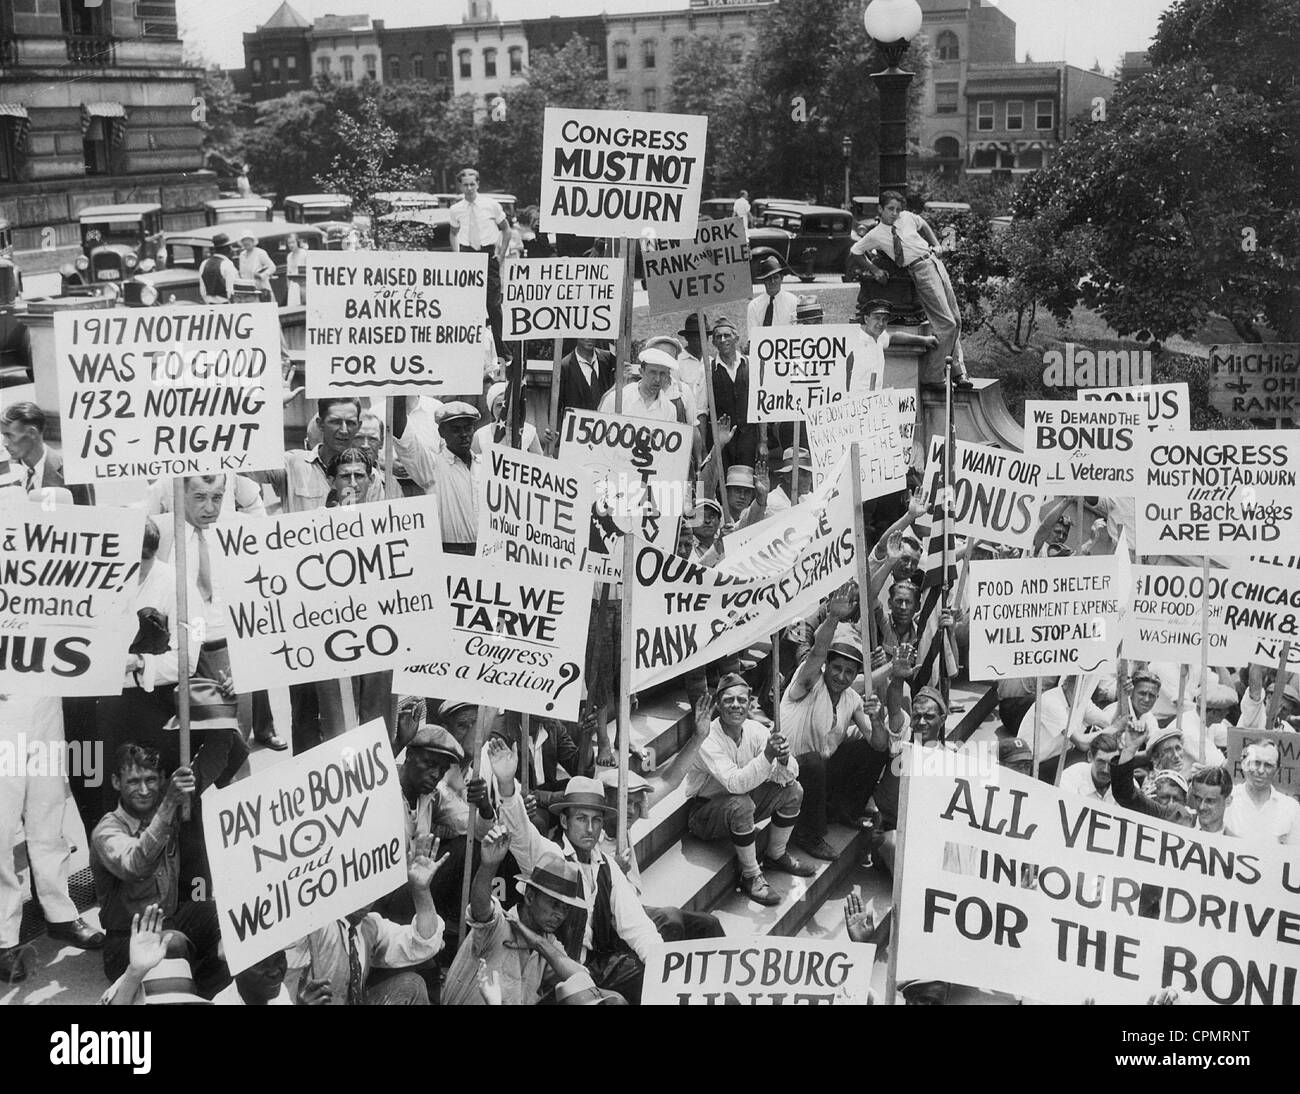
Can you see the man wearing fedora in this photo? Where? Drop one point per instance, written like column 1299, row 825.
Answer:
column 449, row 473
column 519, row 948
column 840, row 743
column 217, row 274
column 775, row 307
column 586, row 373
column 746, row 774
column 612, row 936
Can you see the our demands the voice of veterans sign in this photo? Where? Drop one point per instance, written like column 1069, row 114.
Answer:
column 1011, row 884
column 302, row 844
column 712, row 269
column 1059, row 616
column 331, row 592
column 67, row 583
column 1217, row 492
column 562, row 297
column 518, row 639
column 146, row 392
column 396, row 323
column 622, row 173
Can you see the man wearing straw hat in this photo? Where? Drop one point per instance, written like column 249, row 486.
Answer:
column 612, row 936
column 518, row 949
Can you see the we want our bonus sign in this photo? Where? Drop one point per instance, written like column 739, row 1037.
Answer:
column 621, row 173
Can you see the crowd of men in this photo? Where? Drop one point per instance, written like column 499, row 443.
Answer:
column 776, row 756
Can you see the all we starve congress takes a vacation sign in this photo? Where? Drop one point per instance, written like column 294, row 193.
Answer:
column 622, row 173
column 145, row 392
column 396, row 323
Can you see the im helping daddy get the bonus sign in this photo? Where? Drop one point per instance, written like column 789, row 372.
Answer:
column 396, row 323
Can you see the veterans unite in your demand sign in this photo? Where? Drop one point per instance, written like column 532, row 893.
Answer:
column 806, row 584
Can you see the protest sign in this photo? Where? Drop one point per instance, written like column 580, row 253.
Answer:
column 1229, row 492
column 995, row 493
column 621, row 173
column 1010, row 885
column 1260, row 601
column 712, row 269
column 298, row 845
column 1164, row 621
column 331, row 592
column 872, row 421
column 518, row 639
column 1059, row 616
column 68, row 578
column 531, row 510
column 908, row 412
column 147, row 392
column 795, row 369
column 761, row 971
column 396, row 323
column 1287, row 776
column 1168, row 406
column 688, row 616
column 562, row 297
column 1256, row 380
column 1084, row 449
column 641, row 472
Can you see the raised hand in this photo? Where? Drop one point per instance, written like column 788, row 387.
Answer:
column 489, row 984
column 495, row 846
column 314, row 993
column 424, row 863
column 503, row 761
column 704, row 714
column 857, row 921
column 844, row 601
column 147, row 947
column 904, row 662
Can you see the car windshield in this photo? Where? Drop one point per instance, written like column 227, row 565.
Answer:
column 317, row 214
column 184, row 255
column 115, row 231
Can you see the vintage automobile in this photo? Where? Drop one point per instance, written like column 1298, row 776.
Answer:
column 414, row 229
column 187, row 250
column 810, row 239
column 236, row 210
column 117, row 242
column 717, row 208
column 403, row 201
column 317, row 208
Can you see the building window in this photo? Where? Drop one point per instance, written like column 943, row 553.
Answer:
column 1031, row 159
column 1044, row 114
column 651, row 97
column 736, row 48
column 489, row 63
column 620, row 56
column 369, row 63
column 984, row 158
column 417, row 65
column 678, row 45
column 984, row 116
column 947, row 47
column 516, row 60
column 323, row 66
column 394, row 70
column 440, row 68
column 648, row 54
column 347, row 68
column 257, row 70
column 947, row 148
column 466, row 67
column 291, row 67
column 1015, row 115
column 275, row 70
column 11, row 135
column 80, row 19
column 95, row 146
column 945, row 98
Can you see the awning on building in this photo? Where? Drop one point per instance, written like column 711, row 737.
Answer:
column 108, row 111
column 12, row 110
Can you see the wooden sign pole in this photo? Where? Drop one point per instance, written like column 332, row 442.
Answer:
column 184, row 624
column 481, row 722
column 713, row 415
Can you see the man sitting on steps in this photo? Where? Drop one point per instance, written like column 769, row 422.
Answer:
column 746, row 774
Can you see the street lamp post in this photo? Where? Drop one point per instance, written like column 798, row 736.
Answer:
column 891, row 25
column 846, row 145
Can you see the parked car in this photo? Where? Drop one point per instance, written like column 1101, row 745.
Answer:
column 865, row 208
column 160, row 287
column 402, row 201
column 759, row 206
column 236, row 210
column 418, row 229
column 810, row 238
column 117, row 242
column 187, row 250
column 317, row 208
column 717, row 208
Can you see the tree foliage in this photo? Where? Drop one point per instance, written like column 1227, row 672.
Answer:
column 365, row 165
column 220, row 116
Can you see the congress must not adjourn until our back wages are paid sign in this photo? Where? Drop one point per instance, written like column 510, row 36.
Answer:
column 622, row 173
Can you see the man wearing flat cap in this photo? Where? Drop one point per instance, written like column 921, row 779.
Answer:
column 517, row 951
column 648, row 397
column 612, row 935
column 448, row 473
column 841, row 744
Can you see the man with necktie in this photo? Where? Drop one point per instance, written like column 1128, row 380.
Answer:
column 776, row 307
column 912, row 245
column 586, row 374
column 479, row 223
column 22, row 426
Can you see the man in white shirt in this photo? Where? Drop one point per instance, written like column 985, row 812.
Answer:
column 613, row 936
column 868, row 365
column 498, row 431
column 775, row 307
column 740, row 207
column 1259, row 810
column 479, row 224
column 1092, row 780
column 746, row 774
column 449, row 473
column 1058, row 731
column 255, row 264
column 1209, row 793
column 911, row 243
column 647, row 398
